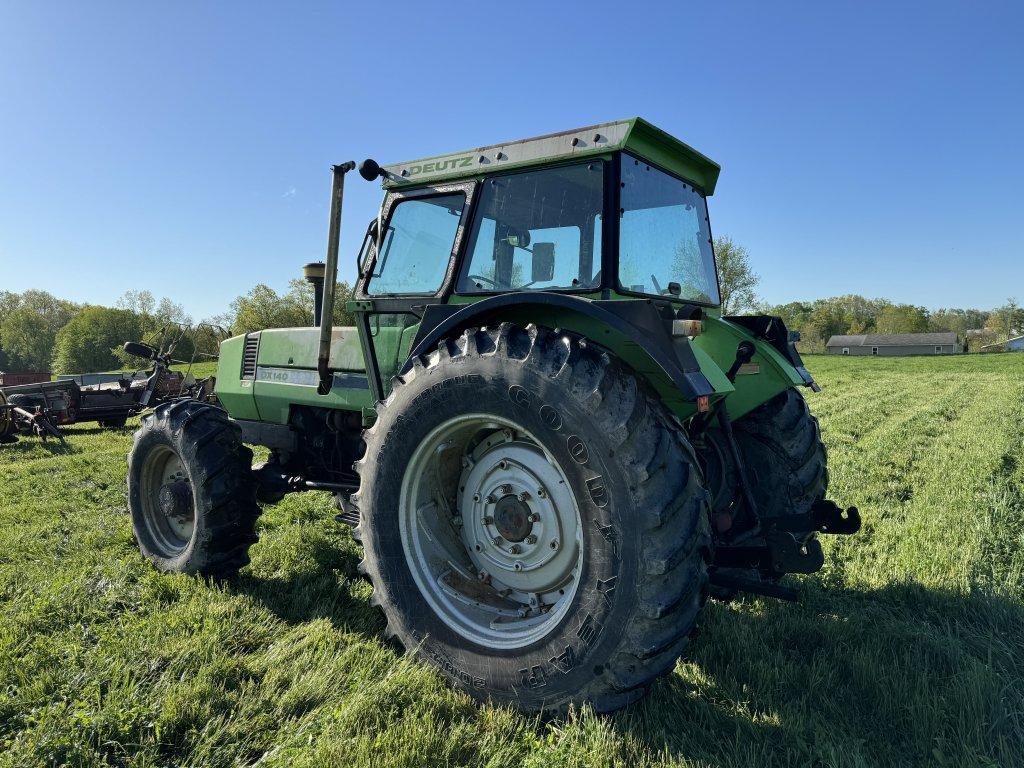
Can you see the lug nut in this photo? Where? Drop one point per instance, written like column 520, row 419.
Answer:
column 505, row 489
column 497, row 541
column 491, row 500
column 524, row 496
column 487, row 520
column 534, row 517
column 514, row 549
column 531, row 539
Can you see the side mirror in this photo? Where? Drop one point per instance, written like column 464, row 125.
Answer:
column 543, row 267
column 369, row 169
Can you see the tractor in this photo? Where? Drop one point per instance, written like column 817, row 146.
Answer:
column 551, row 444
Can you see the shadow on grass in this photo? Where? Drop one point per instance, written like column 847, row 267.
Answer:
column 29, row 443
column 898, row 676
column 327, row 587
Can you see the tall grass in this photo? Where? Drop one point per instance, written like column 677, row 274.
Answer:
column 907, row 649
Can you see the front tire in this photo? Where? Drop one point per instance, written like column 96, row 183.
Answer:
column 534, row 523
column 190, row 490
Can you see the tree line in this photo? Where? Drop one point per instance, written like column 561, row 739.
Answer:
column 39, row 332
column 819, row 319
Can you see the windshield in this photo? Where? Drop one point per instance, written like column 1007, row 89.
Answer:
column 664, row 236
column 537, row 230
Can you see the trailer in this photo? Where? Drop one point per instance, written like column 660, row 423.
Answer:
column 42, row 407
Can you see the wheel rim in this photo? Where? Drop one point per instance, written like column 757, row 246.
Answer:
column 491, row 531
column 168, row 506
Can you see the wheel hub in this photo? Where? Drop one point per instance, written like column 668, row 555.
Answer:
column 175, row 500
column 495, row 545
column 512, row 518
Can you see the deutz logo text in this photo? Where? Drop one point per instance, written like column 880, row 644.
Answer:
column 436, row 166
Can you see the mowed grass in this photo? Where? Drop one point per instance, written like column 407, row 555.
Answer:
column 908, row 649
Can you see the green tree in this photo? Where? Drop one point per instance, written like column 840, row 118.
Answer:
column 89, row 342
column 902, row 318
column 28, row 325
column 26, row 339
column 736, row 278
column 263, row 307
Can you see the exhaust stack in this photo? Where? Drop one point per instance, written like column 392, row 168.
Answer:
column 331, row 276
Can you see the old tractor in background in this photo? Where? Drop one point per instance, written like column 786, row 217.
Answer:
column 550, row 442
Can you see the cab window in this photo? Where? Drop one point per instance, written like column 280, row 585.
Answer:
column 417, row 245
column 536, row 231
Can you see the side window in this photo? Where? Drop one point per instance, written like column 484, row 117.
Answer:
column 417, row 245
column 536, row 230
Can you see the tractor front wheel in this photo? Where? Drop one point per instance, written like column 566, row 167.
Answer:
column 190, row 492
column 534, row 523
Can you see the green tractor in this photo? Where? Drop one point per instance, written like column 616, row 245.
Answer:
column 551, row 444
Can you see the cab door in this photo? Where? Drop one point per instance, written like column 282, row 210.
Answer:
column 410, row 265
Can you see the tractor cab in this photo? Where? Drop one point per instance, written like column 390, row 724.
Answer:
column 610, row 213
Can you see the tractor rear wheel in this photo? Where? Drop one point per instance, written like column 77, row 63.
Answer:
column 190, row 492
column 534, row 523
column 785, row 458
column 784, row 461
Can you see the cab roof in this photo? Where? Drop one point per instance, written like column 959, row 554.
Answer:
column 634, row 135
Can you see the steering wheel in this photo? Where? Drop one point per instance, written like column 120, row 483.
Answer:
column 487, row 280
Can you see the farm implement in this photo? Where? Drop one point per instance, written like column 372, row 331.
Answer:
column 42, row 408
column 551, row 443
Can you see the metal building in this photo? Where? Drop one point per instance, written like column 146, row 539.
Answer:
column 895, row 344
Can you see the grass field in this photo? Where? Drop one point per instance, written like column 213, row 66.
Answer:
column 908, row 649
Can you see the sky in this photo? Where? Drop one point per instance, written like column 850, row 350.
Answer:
column 185, row 148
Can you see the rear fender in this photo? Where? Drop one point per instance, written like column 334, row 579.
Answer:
column 775, row 367
column 634, row 331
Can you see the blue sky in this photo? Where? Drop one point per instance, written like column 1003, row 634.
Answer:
column 872, row 148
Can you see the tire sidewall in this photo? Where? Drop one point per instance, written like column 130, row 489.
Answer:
column 155, row 434
column 573, row 653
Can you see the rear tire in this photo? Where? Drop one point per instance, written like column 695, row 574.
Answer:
column 785, row 458
column 547, row 406
column 786, row 464
column 192, row 499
